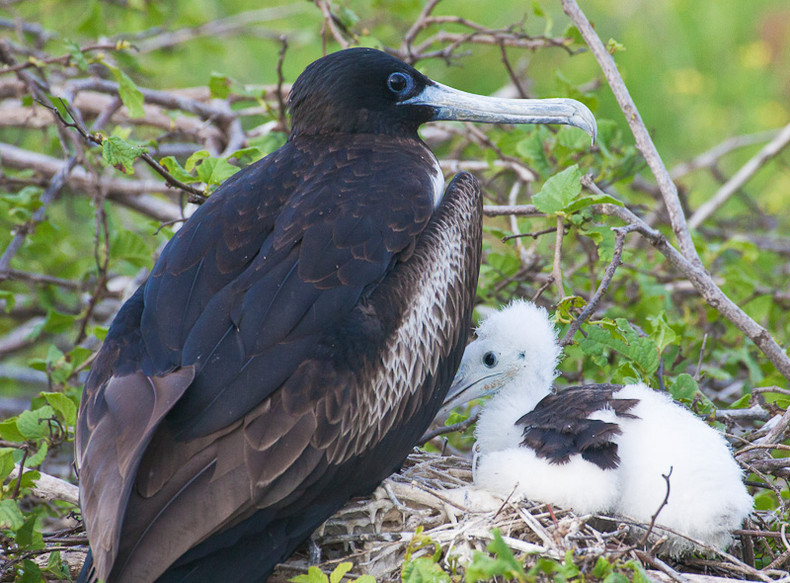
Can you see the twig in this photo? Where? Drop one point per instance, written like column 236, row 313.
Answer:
column 592, row 305
column 460, row 426
column 64, row 60
column 524, row 210
column 710, row 158
column 196, row 195
column 280, row 80
column 55, row 186
column 660, row 508
column 740, row 178
column 556, row 270
column 331, row 22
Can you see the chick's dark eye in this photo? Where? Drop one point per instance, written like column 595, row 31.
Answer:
column 490, row 359
column 400, row 83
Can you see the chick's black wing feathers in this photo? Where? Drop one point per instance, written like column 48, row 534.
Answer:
column 559, row 426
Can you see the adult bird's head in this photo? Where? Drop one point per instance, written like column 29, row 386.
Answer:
column 363, row 90
column 516, row 349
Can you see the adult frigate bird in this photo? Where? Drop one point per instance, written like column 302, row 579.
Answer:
column 296, row 336
column 598, row 449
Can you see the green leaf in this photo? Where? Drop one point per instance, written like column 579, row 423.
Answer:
column 38, row 457
column 175, row 169
column 660, row 332
column 614, row 47
column 57, row 566
column 640, row 350
column 130, row 247
column 62, row 106
column 121, row 154
column 77, row 56
column 365, row 579
column 340, row 571
column 559, row 191
column 10, row 432
column 531, row 148
column 602, row 568
column 195, row 159
column 640, row 576
column 64, row 406
column 130, row 95
column 215, row 171
column 6, row 461
column 314, row 575
column 423, row 570
column 247, row 156
column 505, row 555
column 7, row 300
column 33, row 424
column 604, row 238
column 28, row 535
column 31, row 573
column 742, row 403
column 684, row 388
column 219, row 86
column 11, row 516
column 589, row 200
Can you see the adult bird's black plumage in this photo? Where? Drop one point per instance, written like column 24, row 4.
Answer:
column 296, row 336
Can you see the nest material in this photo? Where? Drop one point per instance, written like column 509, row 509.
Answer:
column 434, row 492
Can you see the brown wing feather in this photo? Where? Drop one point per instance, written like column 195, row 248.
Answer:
column 559, row 426
column 110, row 450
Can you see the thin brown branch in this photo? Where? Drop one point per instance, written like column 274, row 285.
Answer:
column 711, row 157
column 332, row 23
column 130, row 193
column 64, row 60
column 196, row 195
column 281, row 108
column 595, row 300
column 556, row 269
column 740, row 178
column 460, row 426
column 44, row 279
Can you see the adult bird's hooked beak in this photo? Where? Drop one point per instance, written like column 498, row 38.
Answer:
column 452, row 104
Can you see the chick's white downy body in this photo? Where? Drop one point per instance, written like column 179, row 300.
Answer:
column 596, row 451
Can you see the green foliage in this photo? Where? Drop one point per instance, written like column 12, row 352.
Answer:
column 316, row 575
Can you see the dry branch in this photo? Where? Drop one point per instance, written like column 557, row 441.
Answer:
column 134, row 194
column 771, row 149
column 49, row 487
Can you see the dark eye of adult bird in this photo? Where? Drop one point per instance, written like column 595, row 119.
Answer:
column 296, row 336
column 400, row 83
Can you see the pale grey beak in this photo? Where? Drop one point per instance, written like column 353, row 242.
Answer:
column 465, row 389
column 451, row 104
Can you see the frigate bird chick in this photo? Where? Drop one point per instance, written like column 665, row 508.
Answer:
column 596, row 450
